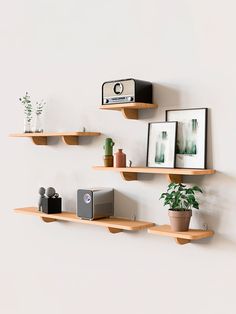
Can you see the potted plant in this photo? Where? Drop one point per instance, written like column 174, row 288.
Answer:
column 180, row 200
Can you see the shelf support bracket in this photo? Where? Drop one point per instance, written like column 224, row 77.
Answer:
column 182, row 241
column 70, row 140
column 176, row 178
column 130, row 113
column 129, row 176
column 114, row 230
column 46, row 219
column 39, row 140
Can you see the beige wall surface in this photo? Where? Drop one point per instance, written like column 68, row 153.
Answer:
column 63, row 51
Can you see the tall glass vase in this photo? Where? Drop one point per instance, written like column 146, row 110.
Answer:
column 39, row 123
column 27, row 125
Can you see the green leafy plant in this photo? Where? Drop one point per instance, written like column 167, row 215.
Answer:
column 39, row 107
column 28, row 108
column 181, row 198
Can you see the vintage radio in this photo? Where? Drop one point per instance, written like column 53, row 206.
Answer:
column 126, row 91
column 95, row 203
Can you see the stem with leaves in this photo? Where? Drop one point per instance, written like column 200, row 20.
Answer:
column 39, row 107
column 28, row 108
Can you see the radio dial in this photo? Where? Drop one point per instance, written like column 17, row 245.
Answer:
column 130, row 98
column 106, row 101
column 118, row 88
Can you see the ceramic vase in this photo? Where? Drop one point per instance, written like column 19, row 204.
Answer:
column 120, row 159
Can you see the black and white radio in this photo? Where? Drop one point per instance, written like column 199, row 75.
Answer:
column 126, row 91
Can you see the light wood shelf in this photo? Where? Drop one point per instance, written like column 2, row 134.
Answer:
column 173, row 175
column 181, row 237
column 114, row 225
column 69, row 138
column 130, row 110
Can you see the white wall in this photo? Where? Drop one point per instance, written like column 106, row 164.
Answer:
column 63, row 51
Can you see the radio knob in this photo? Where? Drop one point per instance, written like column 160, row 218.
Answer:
column 130, row 98
column 106, row 101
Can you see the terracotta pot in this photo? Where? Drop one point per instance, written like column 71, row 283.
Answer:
column 179, row 220
column 108, row 160
column 120, row 159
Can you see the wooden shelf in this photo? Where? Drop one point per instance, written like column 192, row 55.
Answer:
column 173, row 175
column 130, row 110
column 69, row 138
column 114, row 225
column 181, row 237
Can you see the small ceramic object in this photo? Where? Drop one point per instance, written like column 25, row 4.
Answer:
column 108, row 146
column 42, row 195
column 50, row 192
column 108, row 161
column 129, row 163
column 108, row 150
column 120, row 159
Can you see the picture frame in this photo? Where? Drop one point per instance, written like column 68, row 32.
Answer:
column 161, row 144
column 191, row 143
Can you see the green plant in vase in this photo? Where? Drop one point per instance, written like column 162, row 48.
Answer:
column 181, row 200
column 39, row 111
column 28, row 111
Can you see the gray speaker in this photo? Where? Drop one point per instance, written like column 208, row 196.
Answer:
column 95, row 203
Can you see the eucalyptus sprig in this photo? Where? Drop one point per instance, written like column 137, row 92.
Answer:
column 180, row 198
column 39, row 107
column 28, row 108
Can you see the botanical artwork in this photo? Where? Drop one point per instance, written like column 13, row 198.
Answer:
column 187, row 141
column 191, row 137
column 161, row 144
column 161, row 147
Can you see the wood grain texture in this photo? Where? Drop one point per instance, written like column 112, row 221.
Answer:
column 42, row 140
column 54, row 134
column 135, row 105
column 176, row 178
column 129, row 176
column 130, row 113
column 173, row 174
column 69, row 138
column 182, row 241
column 114, row 224
column 130, row 110
column 191, row 235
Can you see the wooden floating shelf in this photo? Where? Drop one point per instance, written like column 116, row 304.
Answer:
column 130, row 110
column 69, row 138
column 173, row 175
column 114, row 225
column 181, row 237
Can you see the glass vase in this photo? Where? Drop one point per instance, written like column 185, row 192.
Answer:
column 38, row 124
column 27, row 126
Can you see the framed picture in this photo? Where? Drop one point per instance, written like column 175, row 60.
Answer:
column 161, row 144
column 191, row 144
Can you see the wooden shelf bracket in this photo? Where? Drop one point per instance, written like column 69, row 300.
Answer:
column 70, row 140
column 46, row 219
column 176, row 178
column 129, row 176
column 39, row 140
column 130, row 113
column 114, row 230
